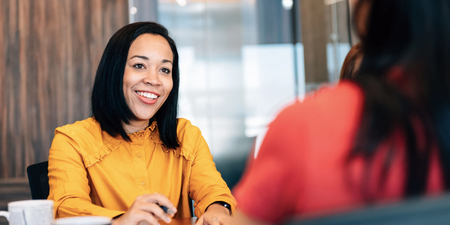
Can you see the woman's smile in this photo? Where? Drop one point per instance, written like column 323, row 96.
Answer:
column 147, row 97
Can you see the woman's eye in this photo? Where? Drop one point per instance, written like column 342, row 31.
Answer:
column 165, row 70
column 139, row 66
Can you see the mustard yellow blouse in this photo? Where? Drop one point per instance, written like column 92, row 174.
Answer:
column 93, row 173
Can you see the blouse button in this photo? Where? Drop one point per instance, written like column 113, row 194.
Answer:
column 143, row 183
column 139, row 155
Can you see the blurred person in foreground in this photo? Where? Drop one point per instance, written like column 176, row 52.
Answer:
column 134, row 154
column 381, row 137
column 352, row 62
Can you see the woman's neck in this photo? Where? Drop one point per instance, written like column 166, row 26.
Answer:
column 135, row 126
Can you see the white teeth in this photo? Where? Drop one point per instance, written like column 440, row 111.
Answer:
column 147, row 95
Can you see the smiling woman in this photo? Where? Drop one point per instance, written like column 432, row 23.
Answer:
column 147, row 80
column 134, row 160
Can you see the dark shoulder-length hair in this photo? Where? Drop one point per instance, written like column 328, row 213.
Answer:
column 108, row 103
column 350, row 65
column 411, row 37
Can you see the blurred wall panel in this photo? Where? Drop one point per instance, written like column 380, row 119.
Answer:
column 149, row 10
column 315, row 39
column 274, row 22
column 49, row 53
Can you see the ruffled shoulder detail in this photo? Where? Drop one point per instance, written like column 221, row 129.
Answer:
column 187, row 144
column 183, row 152
column 180, row 151
column 190, row 138
column 93, row 144
column 100, row 154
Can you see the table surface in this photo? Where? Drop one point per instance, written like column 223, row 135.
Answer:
column 185, row 221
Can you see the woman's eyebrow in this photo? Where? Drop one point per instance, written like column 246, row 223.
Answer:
column 146, row 58
column 140, row 56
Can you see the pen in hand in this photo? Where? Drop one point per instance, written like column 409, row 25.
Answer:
column 166, row 209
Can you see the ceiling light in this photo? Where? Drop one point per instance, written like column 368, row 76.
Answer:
column 182, row 3
column 287, row 4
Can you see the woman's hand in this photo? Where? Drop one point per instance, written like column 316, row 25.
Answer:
column 145, row 209
column 215, row 215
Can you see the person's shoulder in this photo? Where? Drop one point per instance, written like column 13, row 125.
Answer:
column 332, row 96
column 332, row 112
column 88, row 139
column 184, row 126
column 86, row 133
column 189, row 137
column 87, row 126
column 331, row 101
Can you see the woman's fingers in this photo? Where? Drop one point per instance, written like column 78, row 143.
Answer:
column 215, row 221
column 199, row 221
column 144, row 218
column 146, row 209
column 151, row 207
column 208, row 220
column 211, row 221
column 157, row 212
column 159, row 199
column 135, row 216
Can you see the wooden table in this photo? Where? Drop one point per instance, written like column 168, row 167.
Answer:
column 185, row 221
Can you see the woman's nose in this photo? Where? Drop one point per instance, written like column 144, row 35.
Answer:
column 152, row 78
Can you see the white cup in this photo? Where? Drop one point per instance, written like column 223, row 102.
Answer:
column 29, row 212
column 83, row 220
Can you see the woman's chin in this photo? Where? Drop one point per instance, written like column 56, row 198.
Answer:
column 143, row 118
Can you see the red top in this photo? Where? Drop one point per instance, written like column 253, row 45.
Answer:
column 300, row 168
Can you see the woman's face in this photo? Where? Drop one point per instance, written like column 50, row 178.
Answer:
column 147, row 79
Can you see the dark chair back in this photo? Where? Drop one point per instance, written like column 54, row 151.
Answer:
column 38, row 179
column 425, row 210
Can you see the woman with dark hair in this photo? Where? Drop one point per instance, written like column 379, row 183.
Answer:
column 351, row 63
column 383, row 136
column 134, row 158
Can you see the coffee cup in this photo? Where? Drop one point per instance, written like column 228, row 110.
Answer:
column 29, row 212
